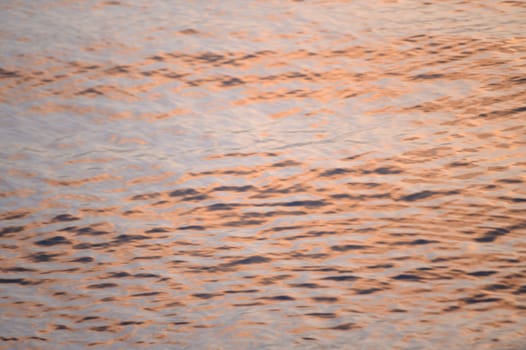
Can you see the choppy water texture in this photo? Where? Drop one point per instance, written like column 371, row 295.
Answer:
column 263, row 174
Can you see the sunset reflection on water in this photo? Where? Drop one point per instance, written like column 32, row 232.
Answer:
column 263, row 175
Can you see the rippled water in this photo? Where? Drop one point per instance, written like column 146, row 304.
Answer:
column 263, row 174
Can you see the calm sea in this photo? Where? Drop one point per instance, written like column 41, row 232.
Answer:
column 263, row 174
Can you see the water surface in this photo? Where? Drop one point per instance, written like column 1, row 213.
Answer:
column 263, row 174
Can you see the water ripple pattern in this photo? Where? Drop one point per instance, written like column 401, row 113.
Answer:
column 263, row 174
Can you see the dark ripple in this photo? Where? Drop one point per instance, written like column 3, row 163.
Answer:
column 184, row 192
column 17, row 269
column 11, row 229
column 407, row 277
column 64, row 217
column 85, row 259
column 383, row 171
column 425, row 194
column 102, row 285
column 279, row 298
column 497, row 287
column 337, row 171
column 322, row 314
column 480, row 298
column 89, row 231
column 341, row 278
column 346, row 247
column 344, row 327
column 222, row 206
column 20, row 281
column 325, row 299
column 306, row 285
column 243, row 223
column 53, row 241
column 42, row 257
column 145, row 196
column 146, row 294
column 130, row 238
column 482, row 273
column 192, row 227
column 256, row 259
column 305, row 203
column 417, row 242
column 241, row 291
column 234, row 188
column 13, row 216
column 157, row 230
column 490, row 236
column 428, row 76
column 367, row 291
column 206, row 295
